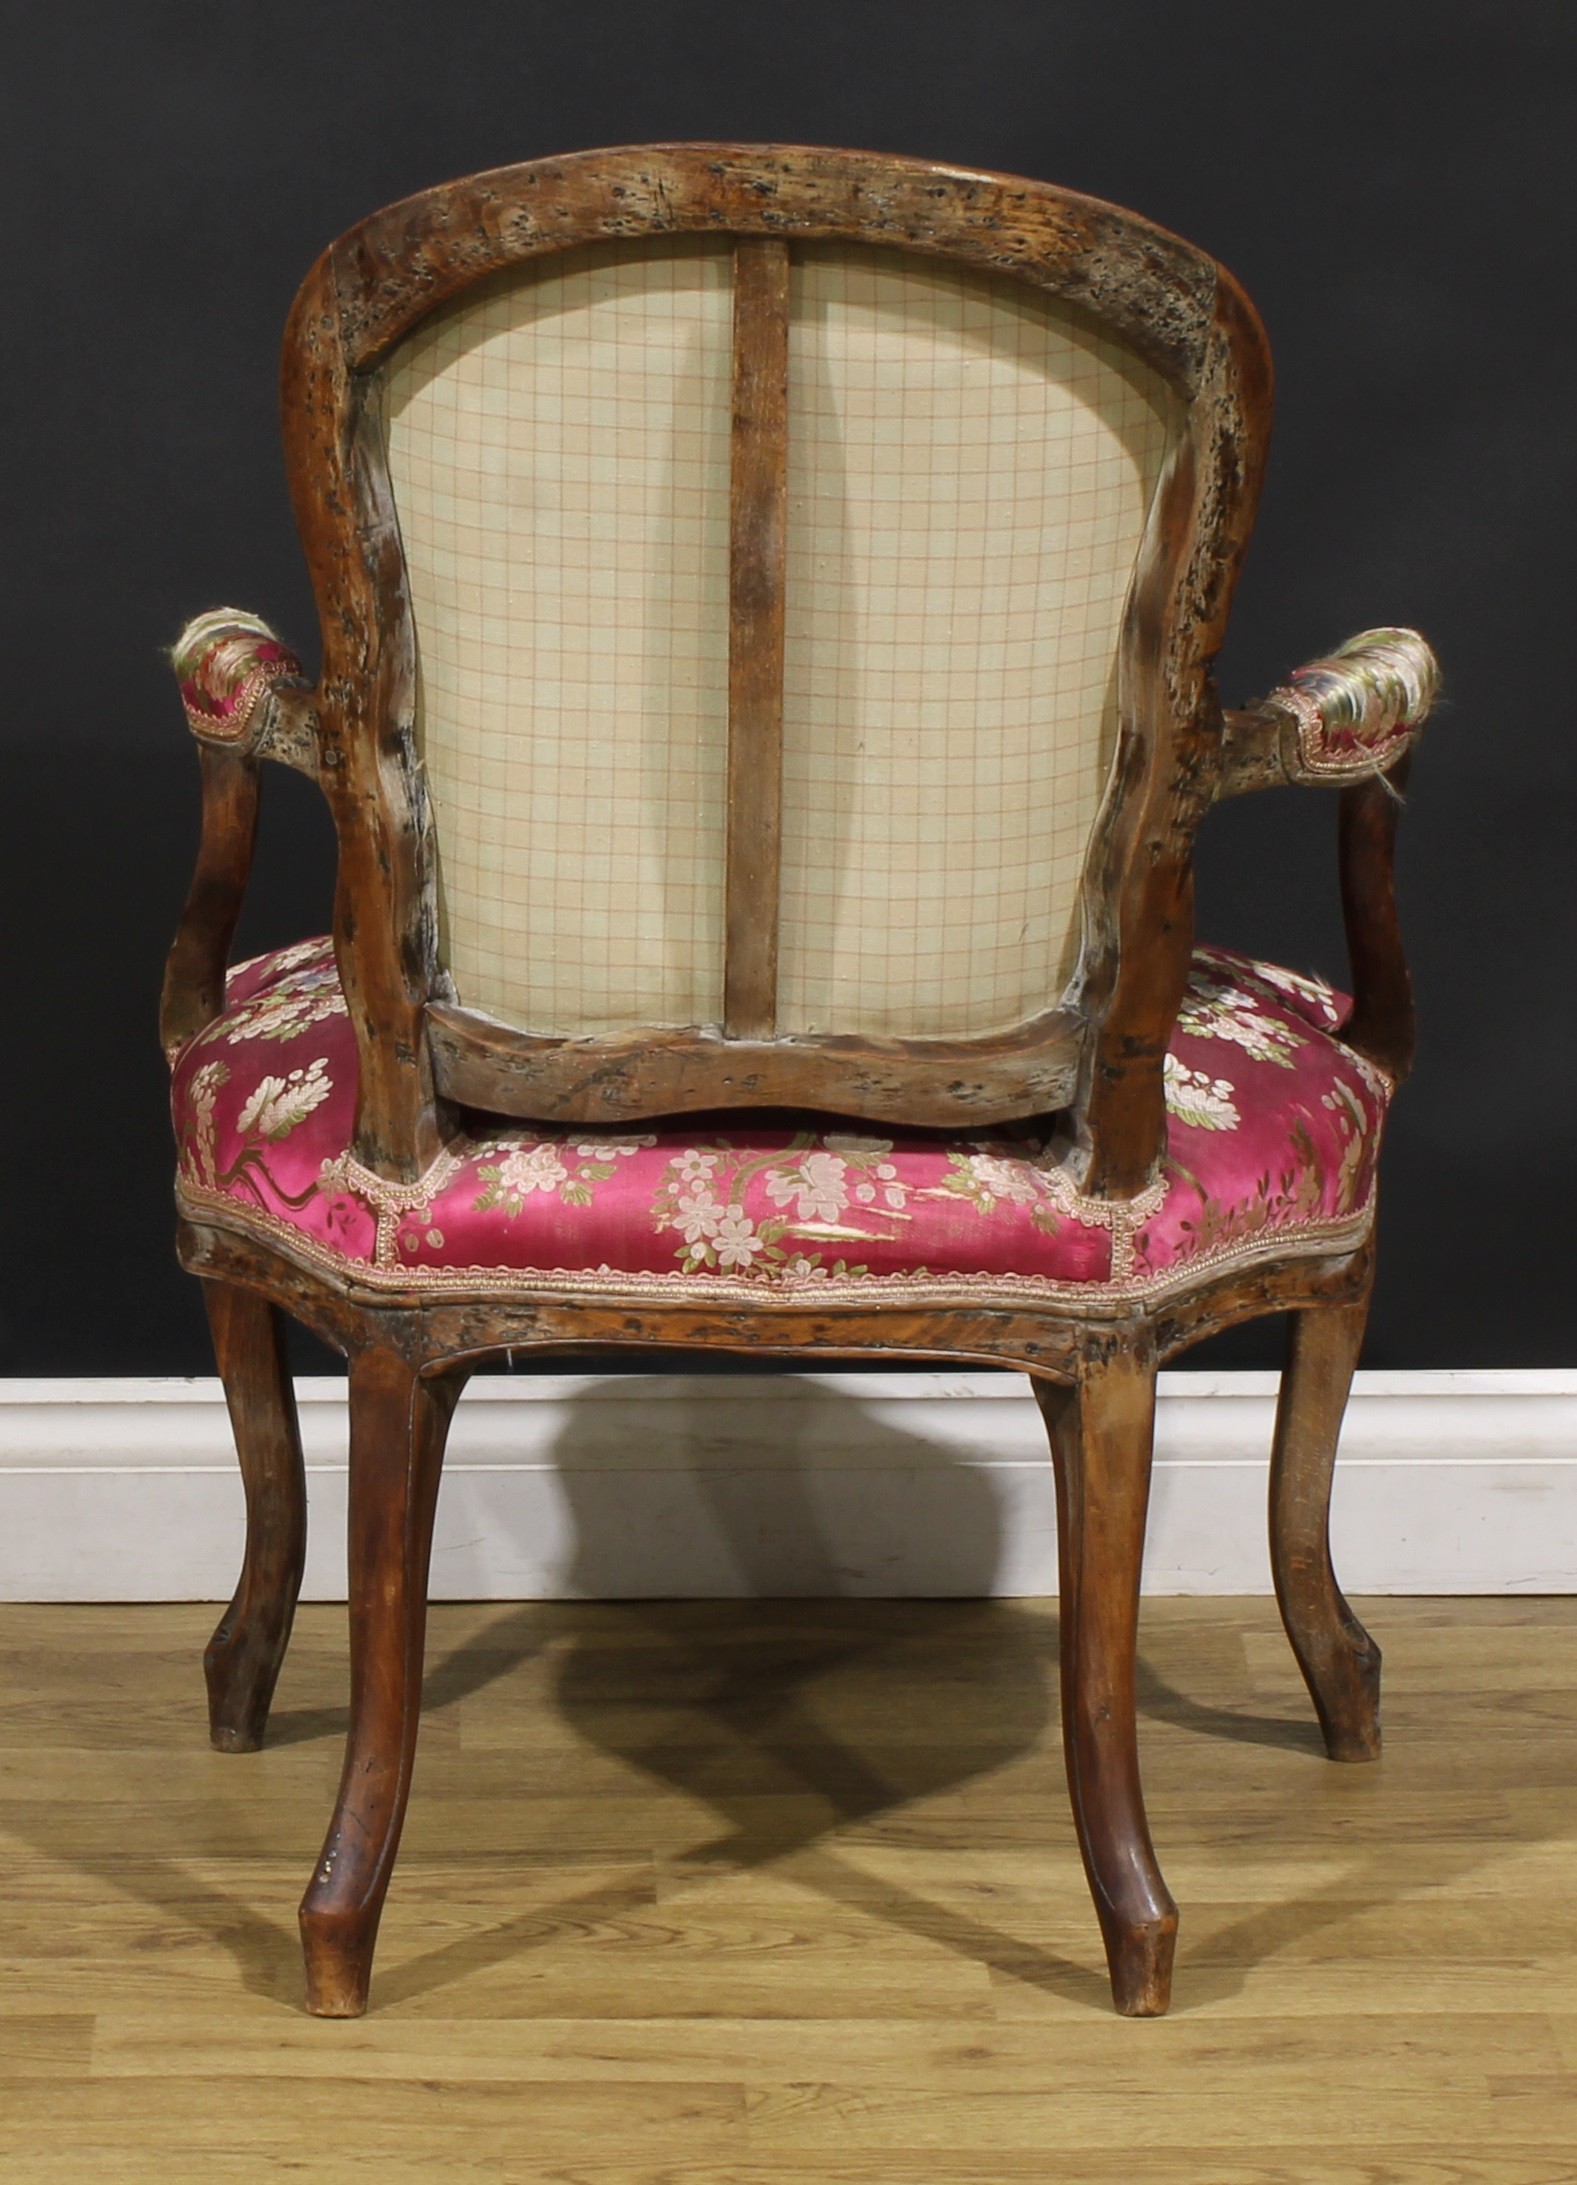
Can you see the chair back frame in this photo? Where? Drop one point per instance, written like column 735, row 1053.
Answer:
column 1098, row 1057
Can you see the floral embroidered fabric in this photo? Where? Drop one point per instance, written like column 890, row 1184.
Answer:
column 1274, row 1129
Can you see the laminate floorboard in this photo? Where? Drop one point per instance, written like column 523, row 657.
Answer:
column 726, row 1893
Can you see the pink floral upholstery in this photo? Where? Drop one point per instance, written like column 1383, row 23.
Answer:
column 1274, row 1130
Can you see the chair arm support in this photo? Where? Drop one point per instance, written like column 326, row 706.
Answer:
column 1349, row 721
column 246, row 699
column 194, row 974
column 1342, row 719
column 1382, row 1027
column 244, row 691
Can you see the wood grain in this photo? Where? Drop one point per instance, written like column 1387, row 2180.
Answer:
column 194, row 974
column 398, row 1425
column 758, row 531
column 1339, row 1660
column 242, row 1660
column 1102, row 1439
column 673, row 1938
column 1383, row 1025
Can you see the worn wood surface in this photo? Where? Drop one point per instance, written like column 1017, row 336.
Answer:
column 456, row 1330
column 758, row 538
column 398, row 1425
column 1102, row 1438
column 243, row 1657
column 1030, row 1071
column 194, row 975
column 1383, row 1026
column 1339, row 1660
column 756, row 1894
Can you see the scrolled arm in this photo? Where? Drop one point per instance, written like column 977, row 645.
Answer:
column 244, row 691
column 246, row 699
column 1349, row 721
column 1335, row 721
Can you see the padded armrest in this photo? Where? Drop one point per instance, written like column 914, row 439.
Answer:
column 1337, row 720
column 244, row 690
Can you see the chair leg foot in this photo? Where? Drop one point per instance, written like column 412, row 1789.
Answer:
column 1339, row 1660
column 337, row 1952
column 398, row 1424
column 1102, row 1434
column 243, row 1658
column 1139, row 1960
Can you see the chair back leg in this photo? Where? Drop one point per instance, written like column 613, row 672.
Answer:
column 1102, row 1433
column 244, row 1656
column 398, row 1425
column 1339, row 1660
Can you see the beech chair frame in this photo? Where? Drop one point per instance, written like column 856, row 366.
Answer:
column 1096, row 1059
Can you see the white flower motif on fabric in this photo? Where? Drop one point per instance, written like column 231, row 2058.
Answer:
column 531, row 1168
column 735, row 1238
column 817, row 1186
column 279, row 1103
column 989, row 1180
column 286, row 1007
column 697, row 1218
column 702, row 1199
column 1221, row 1008
column 1344, row 1104
column 1010, row 1180
column 1272, row 980
column 1197, row 1099
column 204, row 1094
column 572, row 1172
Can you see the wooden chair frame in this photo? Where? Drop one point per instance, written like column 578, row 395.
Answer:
column 1096, row 1058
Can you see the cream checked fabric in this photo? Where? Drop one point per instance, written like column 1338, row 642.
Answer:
column 559, row 453
column 970, row 470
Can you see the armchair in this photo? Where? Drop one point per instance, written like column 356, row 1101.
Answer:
column 768, row 603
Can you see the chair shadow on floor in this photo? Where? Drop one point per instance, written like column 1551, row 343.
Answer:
column 805, row 1706
column 811, row 1719
column 817, row 1725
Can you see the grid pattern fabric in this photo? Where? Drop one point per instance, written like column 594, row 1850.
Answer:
column 559, row 454
column 970, row 470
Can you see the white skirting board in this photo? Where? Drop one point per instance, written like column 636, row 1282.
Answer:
column 648, row 1485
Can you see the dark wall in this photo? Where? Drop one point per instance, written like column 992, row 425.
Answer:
column 1393, row 183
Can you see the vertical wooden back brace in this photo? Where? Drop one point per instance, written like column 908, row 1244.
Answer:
column 758, row 510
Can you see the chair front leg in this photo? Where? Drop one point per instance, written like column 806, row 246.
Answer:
column 398, row 1425
column 1102, row 1433
column 243, row 1658
column 1339, row 1660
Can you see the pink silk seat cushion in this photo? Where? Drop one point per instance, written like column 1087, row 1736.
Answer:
column 1274, row 1129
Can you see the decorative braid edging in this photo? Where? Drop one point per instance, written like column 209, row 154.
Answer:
column 391, row 1201
column 1123, row 1217
column 201, row 1203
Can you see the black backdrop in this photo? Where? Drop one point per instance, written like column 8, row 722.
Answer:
column 1394, row 184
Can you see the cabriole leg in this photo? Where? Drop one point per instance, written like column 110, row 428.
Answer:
column 1102, row 1432
column 243, row 1658
column 1339, row 1660
column 398, row 1425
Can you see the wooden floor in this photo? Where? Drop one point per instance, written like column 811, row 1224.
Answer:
column 711, row 1894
